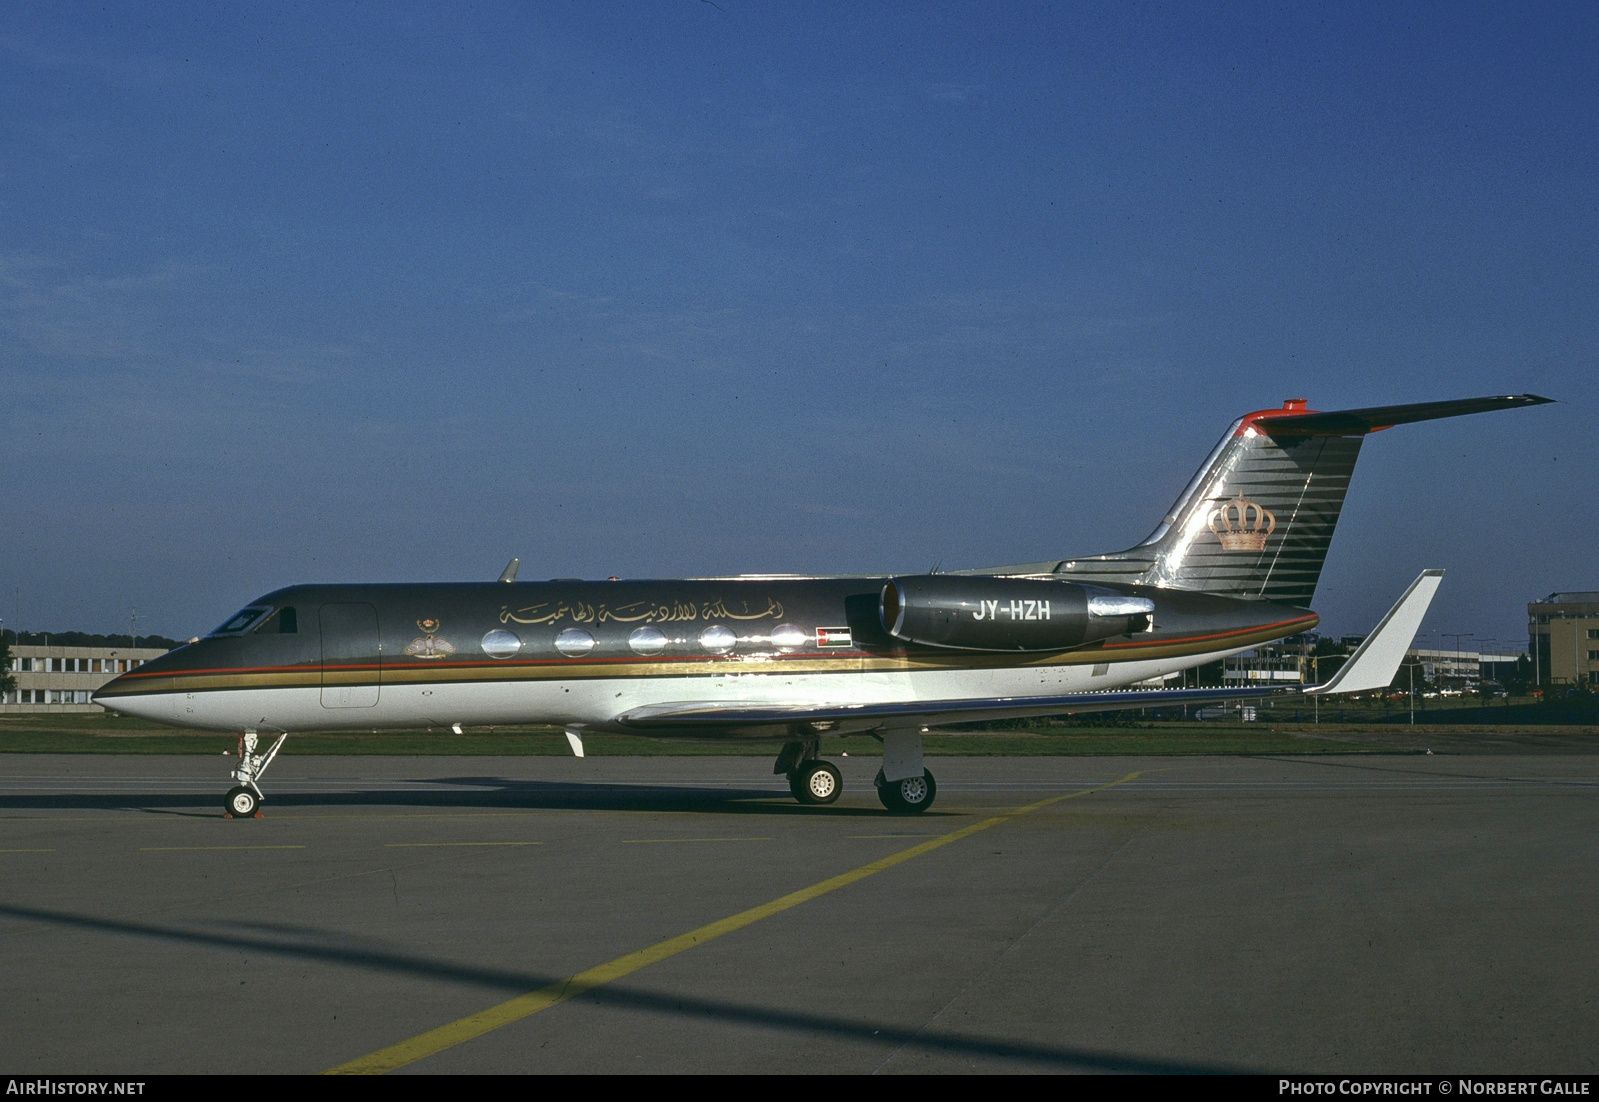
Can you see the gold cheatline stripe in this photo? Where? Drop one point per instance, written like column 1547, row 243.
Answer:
column 485, row 1021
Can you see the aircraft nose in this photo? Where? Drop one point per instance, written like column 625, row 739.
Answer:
column 119, row 695
column 143, row 691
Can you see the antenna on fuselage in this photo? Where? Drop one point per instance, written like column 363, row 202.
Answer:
column 508, row 575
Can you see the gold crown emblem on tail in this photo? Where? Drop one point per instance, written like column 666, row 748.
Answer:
column 1242, row 525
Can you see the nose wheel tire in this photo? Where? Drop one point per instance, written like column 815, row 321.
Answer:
column 241, row 803
column 910, row 796
column 816, row 782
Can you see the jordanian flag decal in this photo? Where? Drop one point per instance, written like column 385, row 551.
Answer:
column 832, row 637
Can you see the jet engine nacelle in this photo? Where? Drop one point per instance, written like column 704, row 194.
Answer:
column 1007, row 614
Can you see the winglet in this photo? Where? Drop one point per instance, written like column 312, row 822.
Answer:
column 1377, row 660
column 508, row 575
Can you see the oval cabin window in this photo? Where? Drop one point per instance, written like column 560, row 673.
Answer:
column 718, row 639
column 574, row 642
column 789, row 637
column 500, row 643
column 647, row 641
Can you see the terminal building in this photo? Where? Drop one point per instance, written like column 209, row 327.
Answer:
column 1563, row 635
column 1293, row 661
column 1463, row 665
column 61, row 679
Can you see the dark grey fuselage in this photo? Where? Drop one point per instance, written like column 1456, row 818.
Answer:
column 390, row 656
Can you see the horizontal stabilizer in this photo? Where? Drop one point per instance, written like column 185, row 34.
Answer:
column 1358, row 422
column 1376, row 661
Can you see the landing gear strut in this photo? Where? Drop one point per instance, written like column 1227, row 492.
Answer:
column 243, row 801
column 812, row 780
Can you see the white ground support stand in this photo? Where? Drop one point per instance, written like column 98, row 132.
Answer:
column 244, row 800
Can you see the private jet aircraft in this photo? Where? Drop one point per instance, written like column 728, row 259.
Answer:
column 1233, row 565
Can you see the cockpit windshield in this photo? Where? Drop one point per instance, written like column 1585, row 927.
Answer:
column 282, row 622
column 241, row 620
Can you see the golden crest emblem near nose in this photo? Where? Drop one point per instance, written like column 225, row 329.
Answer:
column 429, row 646
column 1242, row 525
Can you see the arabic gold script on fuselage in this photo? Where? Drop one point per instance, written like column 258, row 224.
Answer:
column 642, row 612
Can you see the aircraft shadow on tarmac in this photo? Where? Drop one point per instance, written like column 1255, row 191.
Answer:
column 311, row 945
column 469, row 792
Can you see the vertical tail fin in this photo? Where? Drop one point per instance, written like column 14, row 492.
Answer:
column 1257, row 519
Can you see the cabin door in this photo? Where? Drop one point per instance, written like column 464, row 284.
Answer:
column 350, row 656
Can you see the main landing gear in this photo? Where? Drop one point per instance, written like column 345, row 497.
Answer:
column 909, row 796
column 814, row 781
column 904, row 785
column 243, row 801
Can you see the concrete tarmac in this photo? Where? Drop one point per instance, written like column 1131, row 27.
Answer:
column 1425, row 914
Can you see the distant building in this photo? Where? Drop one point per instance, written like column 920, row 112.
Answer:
column 1285, row 660
column 1563, row 636
column 1292, row 660
column 1499, row 667
column 1254, row 666
column 1463, row 665
column 60, row 679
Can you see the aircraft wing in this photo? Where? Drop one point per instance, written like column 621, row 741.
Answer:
column 731, row 716
column 1372, row 666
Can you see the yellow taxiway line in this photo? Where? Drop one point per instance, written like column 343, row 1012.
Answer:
column 514, row 1010
column 660, row 841
column 192, row 849
column 435, row 845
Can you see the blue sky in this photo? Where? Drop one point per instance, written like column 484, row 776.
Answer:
column 395, row 292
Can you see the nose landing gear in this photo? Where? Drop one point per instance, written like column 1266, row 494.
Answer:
column 240, row 803
column 243, row 801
